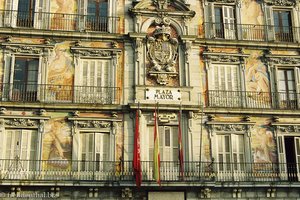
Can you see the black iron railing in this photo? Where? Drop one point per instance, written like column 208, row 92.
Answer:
column 19, row 92
column 58, row 21
column 16, row 169
column 244, row 99
column 251, row 32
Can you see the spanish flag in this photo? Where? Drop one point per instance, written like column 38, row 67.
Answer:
column 156, row 155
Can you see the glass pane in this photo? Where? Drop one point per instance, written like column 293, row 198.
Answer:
column 167, row 137
column 227, row 144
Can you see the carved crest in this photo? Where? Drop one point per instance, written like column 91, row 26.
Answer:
column 162, row 53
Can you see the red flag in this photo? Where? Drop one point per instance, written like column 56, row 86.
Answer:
column 136, row 152
column 180, row 148
column 156, row 154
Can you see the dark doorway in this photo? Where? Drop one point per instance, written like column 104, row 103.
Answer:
column 290, row 158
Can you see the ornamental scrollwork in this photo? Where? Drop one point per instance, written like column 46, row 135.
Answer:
column 229, row 127
column 280, row 2
column 21, row 122
column 93, row 52
column 25, row 49
column 289, row 129
column 284, row 60
column 166, row 117
column 93, row 124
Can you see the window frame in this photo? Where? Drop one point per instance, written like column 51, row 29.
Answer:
column 40, row 19
column 210, row 21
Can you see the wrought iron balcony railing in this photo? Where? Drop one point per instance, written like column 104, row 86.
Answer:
column 105, row 171
column 243, row 99
column 19, row 92
column 58, row 21
column 251, row 32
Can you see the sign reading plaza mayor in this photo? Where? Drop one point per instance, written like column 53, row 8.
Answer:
column 163, row 94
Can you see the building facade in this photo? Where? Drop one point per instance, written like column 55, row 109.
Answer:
column 224, row 73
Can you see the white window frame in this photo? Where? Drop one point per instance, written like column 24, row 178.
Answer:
column 12, row 51
column 109, row 56
column 221, row 128
column 40, row 19
column 283, row 130
column 233, row 32
column 269, row 19
column 13, row 123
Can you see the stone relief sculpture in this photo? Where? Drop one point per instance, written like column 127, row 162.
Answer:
column 162, row 53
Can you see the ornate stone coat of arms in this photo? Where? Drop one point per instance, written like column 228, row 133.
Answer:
column 162, row 53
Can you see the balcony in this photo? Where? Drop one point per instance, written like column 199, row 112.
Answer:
column 251, row 32
column 255, row 100
column 109, row 171
column 59, row 94
column 58, row 21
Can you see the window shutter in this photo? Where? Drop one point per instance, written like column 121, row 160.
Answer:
column 297, row 151
column 175, row 144
column 149, row 142
column 281, row 153
column 297, row 72
column 41, row 17
column 10, row 15
column 82, row 12
column 270, row 23
column 210, row 20
column 229, row 22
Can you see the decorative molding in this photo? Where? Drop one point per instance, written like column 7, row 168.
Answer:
column 280, row 2
column 288, row 60
column 229, row 127
column 21, row 122
column 224, row 58
column 36, row 49
column 162, row 52
column 93, row 52
column 93, row 124
column 289, row 128
column 167, row 117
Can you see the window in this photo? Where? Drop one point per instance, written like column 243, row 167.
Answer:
column 289, row 156
column 224, row 84
column 20, row 149
column 283, row 25
column 92, row 81
column 168, row 143
column 231, row 152
column 26, row 13
column 94, row 152
column 95, row 14
column 22, row 81
column 224, row 22
column 287, row 88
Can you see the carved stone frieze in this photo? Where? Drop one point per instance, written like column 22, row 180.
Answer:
column 93, row 52
column 21, row 122
column 229, row 127
column 280, row 2
column 215, row 57
column 162, row 52
column 25, row 49
column 289, row 129
column 283, row 60
column 93, row 124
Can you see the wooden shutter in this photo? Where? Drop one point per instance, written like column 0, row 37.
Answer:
column 82, row 12
column 270, row 23
column 209, row 22
column 229, row 22
column 10, row 15
column 297, row 152
column 297, row 82
column 41, row 17
column 281, row 154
